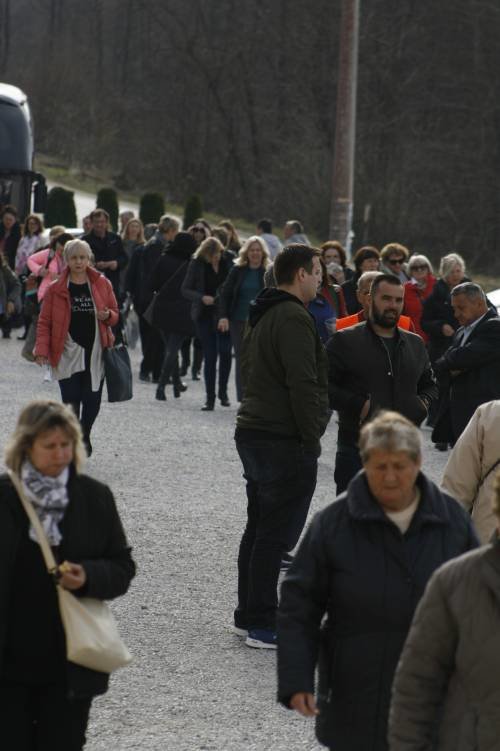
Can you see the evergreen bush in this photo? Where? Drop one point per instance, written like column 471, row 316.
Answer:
column 193, row 210
column 152, row 207
column 107, row 199
column 60, row 208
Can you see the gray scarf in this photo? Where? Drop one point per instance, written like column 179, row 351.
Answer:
column 49, row 496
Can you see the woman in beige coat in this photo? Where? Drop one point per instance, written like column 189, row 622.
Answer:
column 469, row 474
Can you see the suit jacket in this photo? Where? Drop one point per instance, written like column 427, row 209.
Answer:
column 470, row 375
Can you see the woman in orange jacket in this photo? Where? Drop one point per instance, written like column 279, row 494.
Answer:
column 74, row 327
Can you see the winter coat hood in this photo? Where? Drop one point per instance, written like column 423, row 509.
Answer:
column 266, row 300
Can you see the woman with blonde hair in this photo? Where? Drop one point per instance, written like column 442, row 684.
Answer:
column 45, row 699
column 206, row 273
column 74, row 327
column 243, row 283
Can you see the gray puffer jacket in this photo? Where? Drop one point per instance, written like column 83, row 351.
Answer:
column 446, row 693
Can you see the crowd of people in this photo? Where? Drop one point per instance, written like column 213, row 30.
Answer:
column 380, row 348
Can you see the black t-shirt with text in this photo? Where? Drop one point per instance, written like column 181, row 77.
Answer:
column 82, row 325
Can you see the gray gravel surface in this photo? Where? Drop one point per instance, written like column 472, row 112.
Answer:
column 177, row 479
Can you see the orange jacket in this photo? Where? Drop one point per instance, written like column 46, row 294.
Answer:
column 55, row 315
column 344, row 323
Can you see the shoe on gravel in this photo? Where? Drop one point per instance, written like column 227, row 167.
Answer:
column 238, row 630
column 261, row 638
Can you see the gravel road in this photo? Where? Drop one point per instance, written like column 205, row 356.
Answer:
column 177, row 480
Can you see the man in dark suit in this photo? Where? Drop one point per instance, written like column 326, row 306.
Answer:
column 471, row 366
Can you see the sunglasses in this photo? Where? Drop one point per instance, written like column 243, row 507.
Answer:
column 419, row 268
column 398, row 261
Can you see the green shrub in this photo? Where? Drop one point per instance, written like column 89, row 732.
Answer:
column 152, row 207
column 107, row 199
column 60, row 208
column 193, row 210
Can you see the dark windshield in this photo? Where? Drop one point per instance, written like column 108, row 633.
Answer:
column 15, row 138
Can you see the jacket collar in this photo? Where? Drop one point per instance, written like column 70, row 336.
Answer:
column 363, row 507
column 370, row 328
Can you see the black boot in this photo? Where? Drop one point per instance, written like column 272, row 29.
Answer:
column 224, row 400
column 209, row 405
column 179, row 388
column 160, row 393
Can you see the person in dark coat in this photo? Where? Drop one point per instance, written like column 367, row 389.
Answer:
column 45, row 699
column 10, row 234
column 153, row 348
column 206, row 273
column 469, row 370
column 438, row 321
column 107, row 247
column 243, row 283
column 172, row 312
column 366, row 258
column 446, row 693
column 376, row 365
column 364, row 563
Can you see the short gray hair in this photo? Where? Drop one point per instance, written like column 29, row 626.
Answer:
column 419, row 260
column 367, row 276
column 471, row 290
column 390, row 431
column 449, row 262
column 167, row 222
column 73, row 246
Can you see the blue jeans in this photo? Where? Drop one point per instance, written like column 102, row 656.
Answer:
column 215, row 345
column 281, row 480
column 77, row 391
column 170, row 367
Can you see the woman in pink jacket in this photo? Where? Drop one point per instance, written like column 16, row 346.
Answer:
column 74, row 327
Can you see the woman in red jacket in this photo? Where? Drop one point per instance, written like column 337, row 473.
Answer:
column 419, row 287
column 74, row 327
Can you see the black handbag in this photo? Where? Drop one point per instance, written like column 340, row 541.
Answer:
column 118, row 373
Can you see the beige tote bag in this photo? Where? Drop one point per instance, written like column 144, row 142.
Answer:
column 92, row 638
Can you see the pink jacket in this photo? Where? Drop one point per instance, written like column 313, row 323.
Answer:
column 37, row 262
column 55, row 315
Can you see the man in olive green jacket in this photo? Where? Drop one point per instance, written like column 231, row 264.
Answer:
column 282, row 417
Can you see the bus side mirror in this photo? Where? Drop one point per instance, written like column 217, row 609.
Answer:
column 39, row 195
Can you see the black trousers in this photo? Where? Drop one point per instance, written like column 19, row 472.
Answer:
column 41, row 718
column 281, row 479
column 152, row 349
column 347, row 464
column 170, row 367
column 77, row 391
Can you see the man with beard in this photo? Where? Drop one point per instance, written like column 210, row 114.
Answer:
column 376, row 365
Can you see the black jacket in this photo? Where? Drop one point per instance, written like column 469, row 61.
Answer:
column 228, row 293
column 11, row 243
column 172, row 312
column 193, row 286
column 436, row 311
column 134, row 280
column 349, row 288
column 92, row 536
column 470, row 377
column 359, row 368
column 109, row 248
column 355, row 566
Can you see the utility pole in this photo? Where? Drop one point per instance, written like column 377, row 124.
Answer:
column 345, row 126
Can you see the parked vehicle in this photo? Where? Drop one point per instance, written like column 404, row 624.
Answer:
column 17, row 178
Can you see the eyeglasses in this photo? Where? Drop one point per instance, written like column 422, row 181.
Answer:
column 419, row 268
column 198, row 229
column 394, row 261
